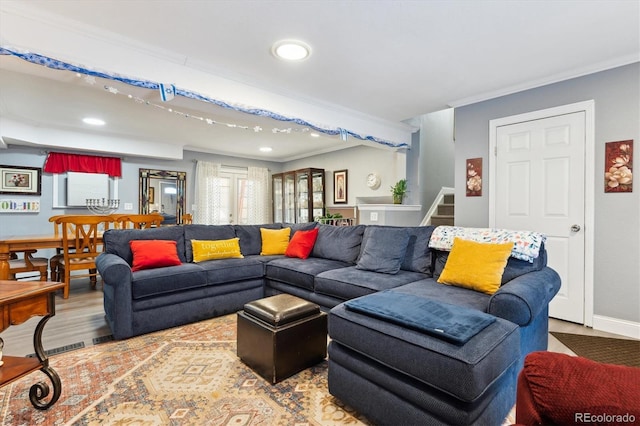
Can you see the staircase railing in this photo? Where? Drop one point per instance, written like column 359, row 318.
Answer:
column 434, row 207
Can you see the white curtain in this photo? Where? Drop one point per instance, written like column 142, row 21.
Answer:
column 259, row 210
column 208, row 195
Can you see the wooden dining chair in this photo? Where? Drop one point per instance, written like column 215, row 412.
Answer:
column 81, row 244
column 54, row 261
column 28, row 263
column 187, row 219
column 138, row 221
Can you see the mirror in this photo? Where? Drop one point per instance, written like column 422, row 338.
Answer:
column 162, row 191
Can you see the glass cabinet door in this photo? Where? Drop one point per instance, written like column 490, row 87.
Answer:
column 277, row 199
column 302, row 196
column 289, row 198
column 317, row 191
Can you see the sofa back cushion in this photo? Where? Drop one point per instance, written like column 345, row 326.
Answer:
column 383, row 249
column 338, row 242
column 418, row 257
column 116, row 241
column 250, row 237
column 207, row 233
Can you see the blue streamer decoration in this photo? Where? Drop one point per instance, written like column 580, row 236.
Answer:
column 56, row 64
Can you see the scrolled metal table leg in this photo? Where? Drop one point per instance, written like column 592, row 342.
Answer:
column 40, row 390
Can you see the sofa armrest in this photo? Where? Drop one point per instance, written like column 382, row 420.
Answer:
column 523, row 298
column 116, row 277
column 113, row 269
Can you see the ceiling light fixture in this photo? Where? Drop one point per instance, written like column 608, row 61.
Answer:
column 314, row 135
column 266, row 149
column 93, row 121
column 291, row 50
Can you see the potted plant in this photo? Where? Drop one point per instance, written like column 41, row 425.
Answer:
column 398, row 190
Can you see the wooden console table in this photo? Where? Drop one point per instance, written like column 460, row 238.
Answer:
column 19, row 301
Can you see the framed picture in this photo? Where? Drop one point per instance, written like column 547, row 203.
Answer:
column 618, row 166
column 20, row 180
column 474, row 177
column 340, row 187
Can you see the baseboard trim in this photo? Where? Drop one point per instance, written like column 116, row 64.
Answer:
column 616, row 326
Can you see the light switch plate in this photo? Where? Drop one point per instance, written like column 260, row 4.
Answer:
column 373, row 216
column 128, row 206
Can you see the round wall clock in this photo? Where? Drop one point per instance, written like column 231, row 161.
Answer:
column 373, row 180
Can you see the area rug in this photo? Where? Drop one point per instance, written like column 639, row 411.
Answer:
column 602, row 349
column 188, row 375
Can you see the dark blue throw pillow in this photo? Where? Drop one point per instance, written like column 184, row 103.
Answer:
column 384, row 250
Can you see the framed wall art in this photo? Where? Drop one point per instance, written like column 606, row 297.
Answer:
column 20, row 180
column 618, row 166
column 340, row 187
column 474, row 177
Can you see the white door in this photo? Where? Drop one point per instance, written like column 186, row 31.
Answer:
column 540, row 186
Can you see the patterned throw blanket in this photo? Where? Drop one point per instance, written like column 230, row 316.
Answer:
column 526, row 244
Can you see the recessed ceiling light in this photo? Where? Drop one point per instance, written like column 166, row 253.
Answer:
column 291, row 50
column 266, row 149
column 314, row 135
column 93, row 121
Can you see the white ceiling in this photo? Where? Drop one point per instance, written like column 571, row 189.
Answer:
column 394, row 60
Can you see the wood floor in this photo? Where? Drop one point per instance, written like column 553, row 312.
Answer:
column 80, row 319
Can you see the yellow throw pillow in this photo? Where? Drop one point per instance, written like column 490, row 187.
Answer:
column 215, row 249
column 274, row 241
column 477, row 266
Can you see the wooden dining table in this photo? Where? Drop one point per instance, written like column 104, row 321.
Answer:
column 16, row 243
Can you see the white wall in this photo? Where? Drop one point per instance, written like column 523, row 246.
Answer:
column 616, row 93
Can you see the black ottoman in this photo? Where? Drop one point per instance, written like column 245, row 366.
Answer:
column 281, row 335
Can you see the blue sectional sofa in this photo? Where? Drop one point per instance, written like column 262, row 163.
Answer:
column 347, row 263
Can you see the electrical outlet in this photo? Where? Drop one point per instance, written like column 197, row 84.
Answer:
column 128, row 206
column 373, row 216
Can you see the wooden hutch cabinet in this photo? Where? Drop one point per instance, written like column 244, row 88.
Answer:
column 298, row 195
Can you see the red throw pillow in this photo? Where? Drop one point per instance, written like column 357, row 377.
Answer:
column 149, row 254
column 302, row 243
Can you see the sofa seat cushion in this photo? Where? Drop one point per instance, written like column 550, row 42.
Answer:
column 300, row 272
column 222, row 271
column 348, row 283
column 464, row 372
column 154, row 282
column 429, row 288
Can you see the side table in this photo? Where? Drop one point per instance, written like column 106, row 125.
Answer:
column 19, row 301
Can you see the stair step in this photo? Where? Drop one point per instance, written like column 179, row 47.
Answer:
column 437, row 220
column 446, row 209
column 449, row 199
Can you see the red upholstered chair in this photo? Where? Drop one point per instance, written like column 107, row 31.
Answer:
column 559, row 389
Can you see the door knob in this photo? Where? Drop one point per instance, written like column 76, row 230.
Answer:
column 575, row 228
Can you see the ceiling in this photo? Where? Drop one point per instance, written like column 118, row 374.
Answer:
column 393, row 60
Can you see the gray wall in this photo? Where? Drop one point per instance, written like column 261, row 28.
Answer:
column 38, row 223
column 616, row 94
column 437, row 156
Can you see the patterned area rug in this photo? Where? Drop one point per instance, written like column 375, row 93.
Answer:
column 188, row 375
column 602, row 349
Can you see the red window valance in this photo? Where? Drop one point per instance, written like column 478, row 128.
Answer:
column 58, row 162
